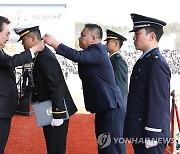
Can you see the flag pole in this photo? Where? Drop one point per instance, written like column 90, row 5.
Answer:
column 173, row 141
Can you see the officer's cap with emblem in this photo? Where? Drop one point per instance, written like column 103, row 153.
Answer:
column 114, row 35
column 23, row 30
column 141, row 21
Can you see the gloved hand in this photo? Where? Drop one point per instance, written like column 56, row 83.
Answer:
column 150, row 143
column 56, row 122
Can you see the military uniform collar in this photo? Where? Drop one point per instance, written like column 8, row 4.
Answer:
column 146, row 52
column 114, row 53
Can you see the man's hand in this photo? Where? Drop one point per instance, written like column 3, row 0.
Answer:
column 150, row 143
column 57, row 122
column 51, row 41
column 38, row 47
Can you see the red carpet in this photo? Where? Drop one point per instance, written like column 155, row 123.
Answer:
column 26, row 138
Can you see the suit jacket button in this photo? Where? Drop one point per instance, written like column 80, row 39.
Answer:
column 57, row 109
column 140, row 119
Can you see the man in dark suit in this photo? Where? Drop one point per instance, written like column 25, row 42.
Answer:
column 114, row 44
column 49, row 84
column 8, row 88
column 147, row 122
column 101, row 94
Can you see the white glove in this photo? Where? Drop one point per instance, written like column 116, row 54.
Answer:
column 56, row 122
column 150, row 143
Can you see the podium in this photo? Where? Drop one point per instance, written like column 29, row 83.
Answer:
column 24, row 105
column 25, row 85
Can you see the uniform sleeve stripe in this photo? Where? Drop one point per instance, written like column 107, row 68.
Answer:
column 59, row 112
column 153, row 129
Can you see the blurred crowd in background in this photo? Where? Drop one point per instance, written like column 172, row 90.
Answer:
column 172, row 57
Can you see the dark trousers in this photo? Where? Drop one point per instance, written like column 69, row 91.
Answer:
column 141, row 149
column 5, row 124
column 56, row 138
column 109, row 131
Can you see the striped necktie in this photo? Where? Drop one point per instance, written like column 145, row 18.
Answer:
column 36, row 54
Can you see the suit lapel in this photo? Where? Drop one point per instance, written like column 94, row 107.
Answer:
column 2, row 52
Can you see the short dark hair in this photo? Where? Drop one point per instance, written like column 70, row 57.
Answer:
column 158, row 32
column 95, row 28
column 3, row 20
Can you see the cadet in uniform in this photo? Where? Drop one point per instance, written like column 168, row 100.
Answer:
column 147, row 121
column 49, row 84
column 114, row 43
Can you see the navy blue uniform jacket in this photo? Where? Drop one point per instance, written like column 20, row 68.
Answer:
column 96, row 72
column 148, row 107
column 8, row 88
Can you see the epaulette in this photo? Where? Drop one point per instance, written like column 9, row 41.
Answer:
column 117, row 56
column 155, row 56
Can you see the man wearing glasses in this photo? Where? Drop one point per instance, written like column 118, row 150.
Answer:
column 101, row 94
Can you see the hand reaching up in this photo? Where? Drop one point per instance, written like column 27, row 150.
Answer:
column 51, row 41
column 38, row 47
